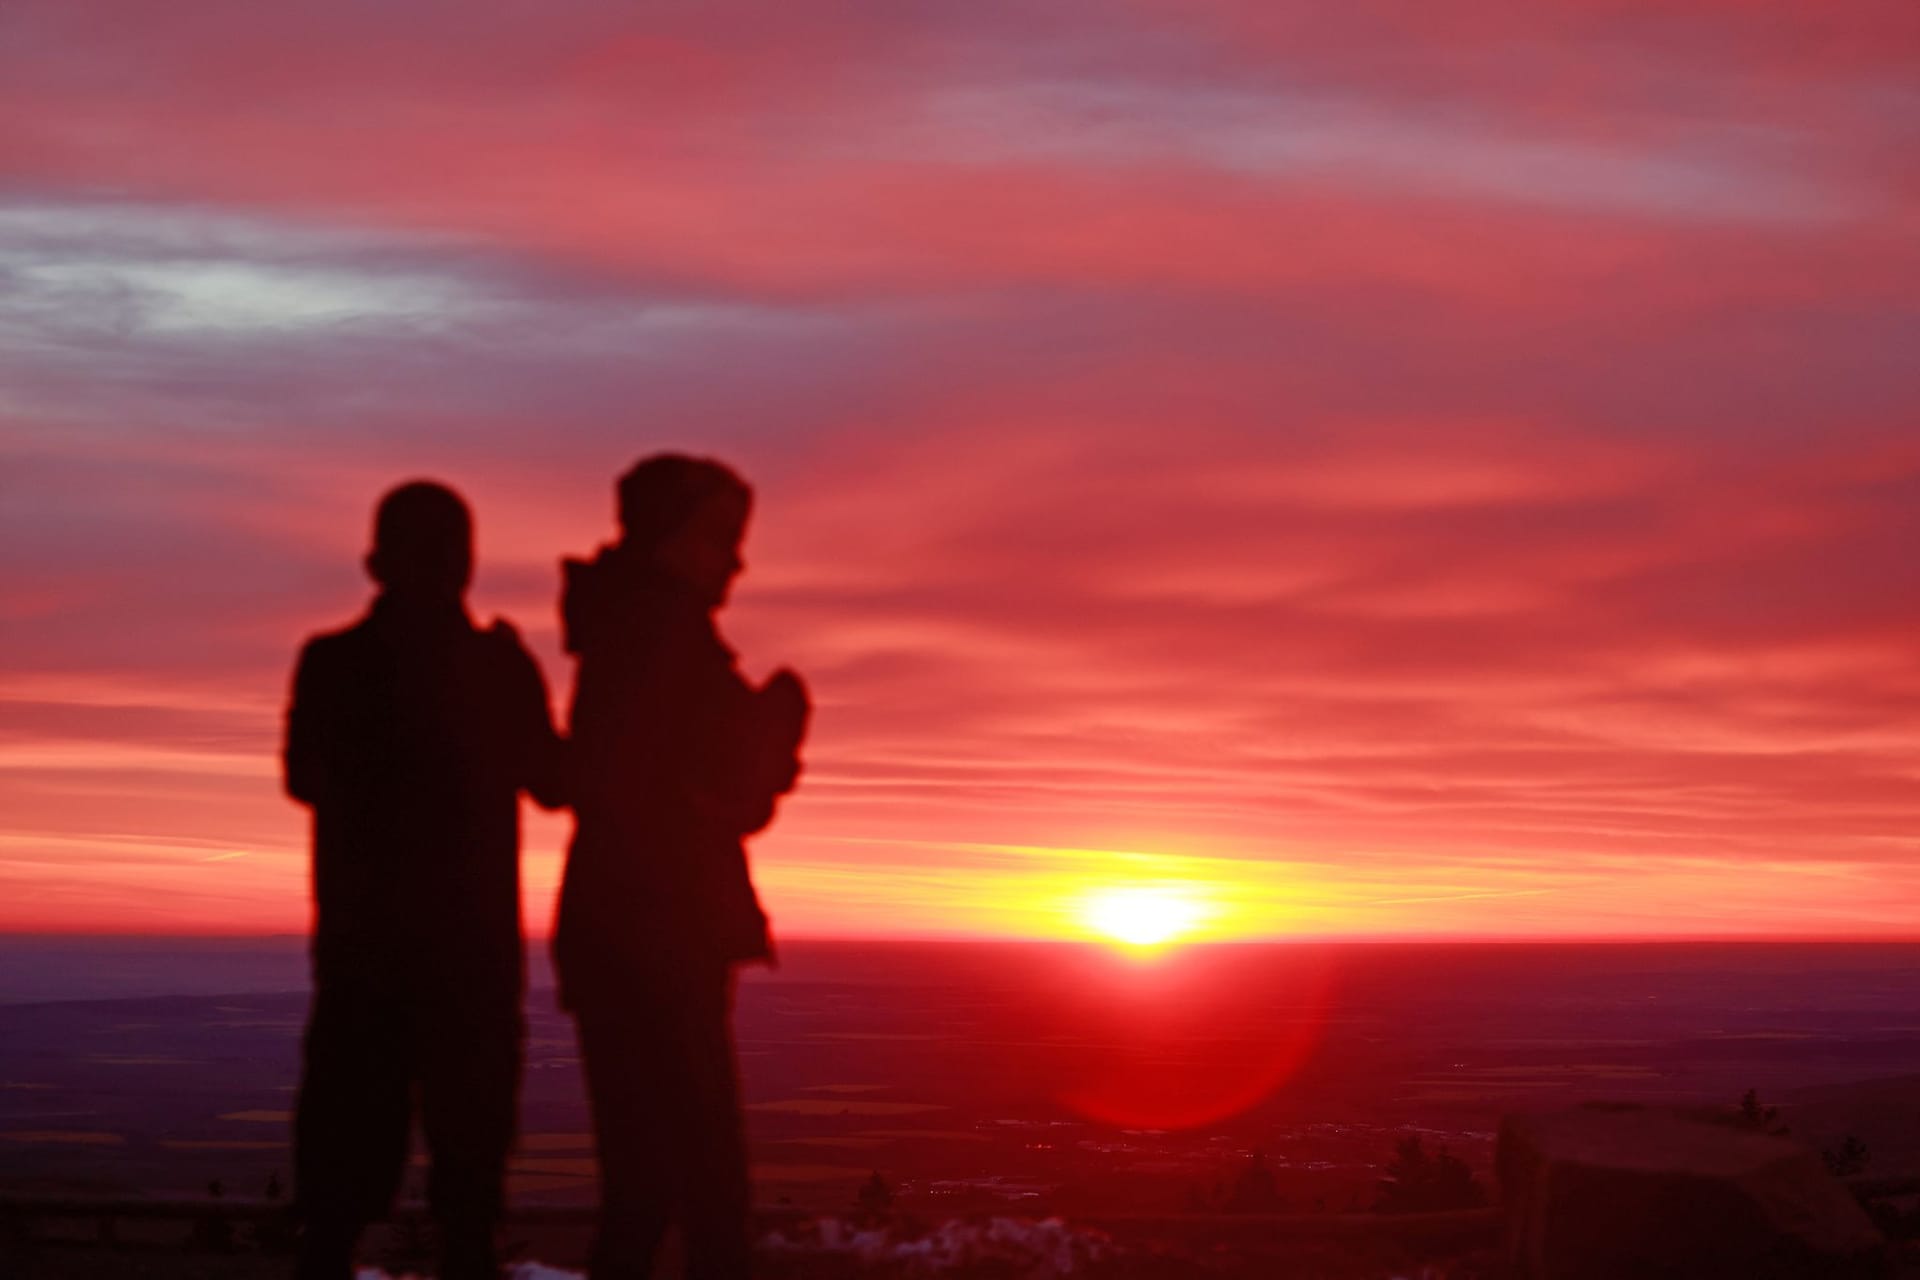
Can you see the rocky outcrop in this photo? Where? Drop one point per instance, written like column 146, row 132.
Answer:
column 1629, row 1192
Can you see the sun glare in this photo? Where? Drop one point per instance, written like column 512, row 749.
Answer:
column 1142, row 915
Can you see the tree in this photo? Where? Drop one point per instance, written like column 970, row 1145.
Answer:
column 1847, row 1159
column 212, row 1233
column 876, row 1197
column 1255, row 1190
column 1758, row 1118
column 1418, row 1182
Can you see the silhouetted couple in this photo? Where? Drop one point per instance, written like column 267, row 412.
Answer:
column 411, row 735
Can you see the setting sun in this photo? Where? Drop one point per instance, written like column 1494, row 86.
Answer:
column 1142, row 915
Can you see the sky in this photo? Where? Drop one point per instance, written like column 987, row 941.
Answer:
column 1355, row 470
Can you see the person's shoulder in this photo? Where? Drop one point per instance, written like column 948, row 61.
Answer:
column 504, row 642
column 332, row 662
column 342, row 644
column 509, row 659
column 582, row 600
column 504, row 636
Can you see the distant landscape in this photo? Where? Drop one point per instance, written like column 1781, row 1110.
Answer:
column 1033, row 1079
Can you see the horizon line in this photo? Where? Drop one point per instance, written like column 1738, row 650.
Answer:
column 989, row 939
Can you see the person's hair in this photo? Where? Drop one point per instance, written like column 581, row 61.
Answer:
column 657, row 495
column 422, row 538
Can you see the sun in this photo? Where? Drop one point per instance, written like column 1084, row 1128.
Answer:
column 1141, row 915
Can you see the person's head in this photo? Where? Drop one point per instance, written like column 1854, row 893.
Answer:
column 422, row 542
column 687, row 516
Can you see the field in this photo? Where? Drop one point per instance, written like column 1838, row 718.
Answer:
column 1027, row 1079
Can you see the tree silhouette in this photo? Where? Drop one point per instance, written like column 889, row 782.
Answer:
column 212, row 1233
column 1255, row 1190
column 1847, row 1159
column 1759, row 1118
column 876, row 1197
column 1418, row 1182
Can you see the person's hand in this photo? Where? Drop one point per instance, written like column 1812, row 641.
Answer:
column 784, row 712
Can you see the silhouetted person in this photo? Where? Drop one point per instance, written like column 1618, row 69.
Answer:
column 411, row 735
column 677, row 759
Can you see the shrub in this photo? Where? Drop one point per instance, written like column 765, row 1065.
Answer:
column 1419, row 1182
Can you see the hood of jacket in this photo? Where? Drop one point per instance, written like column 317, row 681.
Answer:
column 617, row 597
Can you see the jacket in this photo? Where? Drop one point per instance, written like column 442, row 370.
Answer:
column 677, row 759
column 410, row 735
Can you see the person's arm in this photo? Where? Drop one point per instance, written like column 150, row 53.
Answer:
column 777, row 726
column 304, row 755
column 549, row 776
column 703, row 734
column 542, row 751
column 786, row 710
column 756, row 754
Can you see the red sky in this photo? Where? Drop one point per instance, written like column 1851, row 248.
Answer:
column 1447, row 474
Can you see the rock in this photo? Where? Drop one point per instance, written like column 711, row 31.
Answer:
column 1648, row 1194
